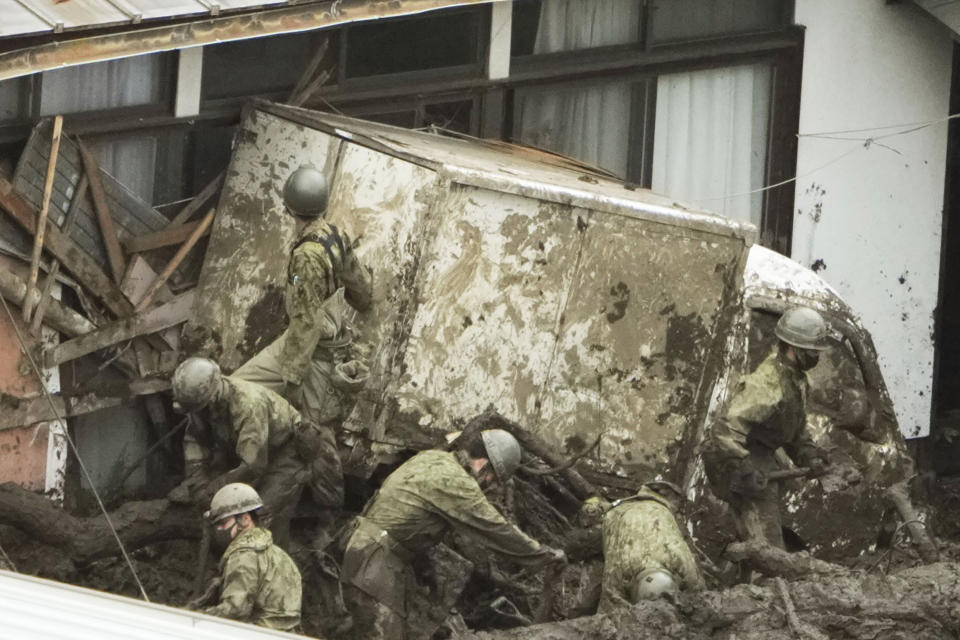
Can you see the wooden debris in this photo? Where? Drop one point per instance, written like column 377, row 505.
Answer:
column 110, row 241
column 78, row 195
column 41, row 224
column 166, row 237
column 22, row 412
column 87, row 539
column 176, row 260
column 137, row 280
column 84, row 268
column 60, row 317
column 771, row 561
column 198, row 201
column 308, row 81
column 166, row 315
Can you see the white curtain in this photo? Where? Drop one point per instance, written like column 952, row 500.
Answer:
column 108, row 85
column 566, row 25
column 710, row 138
column 589, row 123
column 101, row 85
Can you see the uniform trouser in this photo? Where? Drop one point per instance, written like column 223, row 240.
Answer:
column 280, row 488
column 371, row 619
column 759, row 516
column 316, row 397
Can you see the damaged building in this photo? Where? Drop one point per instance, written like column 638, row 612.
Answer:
column 580, row 215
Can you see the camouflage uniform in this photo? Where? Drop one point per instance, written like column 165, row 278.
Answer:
column 261, row 584
column 641, row 533
column 767, row 412
column 325, row 281
column 425, row 498
column 252, row 425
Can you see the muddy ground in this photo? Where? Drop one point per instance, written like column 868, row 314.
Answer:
column 885, row 594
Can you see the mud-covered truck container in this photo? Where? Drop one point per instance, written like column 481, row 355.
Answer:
column 577, row 306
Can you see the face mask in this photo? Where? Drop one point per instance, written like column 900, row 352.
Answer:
column 222, row 538
column 807, row 358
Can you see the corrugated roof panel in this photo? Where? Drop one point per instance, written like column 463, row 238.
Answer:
column 75, row 14
column 152, row 9
column 36, row 609
column 17, row 20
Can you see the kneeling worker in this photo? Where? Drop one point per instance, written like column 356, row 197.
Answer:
column 645, row 554
column 425, row 498
column 260, row 583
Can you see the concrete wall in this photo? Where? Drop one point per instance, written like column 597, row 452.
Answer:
column 870, row 220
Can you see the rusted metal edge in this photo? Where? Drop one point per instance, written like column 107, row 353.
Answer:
column 65, row 53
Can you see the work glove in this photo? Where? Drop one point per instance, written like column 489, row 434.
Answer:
column 556, row 557
column 208, row 595
column 819, row 466
column 748, row 482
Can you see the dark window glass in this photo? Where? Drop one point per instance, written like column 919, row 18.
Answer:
column 526, row 18
column 395, row 46
column 261, row 66
column 679, row 20
column 14, row 96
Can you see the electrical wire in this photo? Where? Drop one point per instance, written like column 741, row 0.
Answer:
column 73, row 447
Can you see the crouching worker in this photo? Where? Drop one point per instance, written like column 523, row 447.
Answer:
column 428, row 496
column 645, row 554
column 259, row 583
column 242, row 432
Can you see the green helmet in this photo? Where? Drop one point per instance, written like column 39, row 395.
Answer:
column 196, row 382
column 233, row 499
column 804, row 328
column 651, row 584
column 503, row 451
column 306, row 192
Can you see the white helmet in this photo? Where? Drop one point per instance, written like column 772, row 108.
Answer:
column 231, row 500
column 651, row 584
column 503, row 451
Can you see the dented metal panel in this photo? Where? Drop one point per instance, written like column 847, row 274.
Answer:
column 576, row 320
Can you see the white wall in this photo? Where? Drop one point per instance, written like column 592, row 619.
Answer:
column 874, row 216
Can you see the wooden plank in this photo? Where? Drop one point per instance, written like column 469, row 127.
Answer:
column 60, row 317
column 82, row 266
column 114, row 252
column 166, row 315
column 67, row 226
column 42, row 223
column 199, row 200
column 137, row 281
column 164, row 238
column 177, row 259
column 33, row 410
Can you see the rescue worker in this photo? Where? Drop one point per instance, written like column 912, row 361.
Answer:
column 428, row 496
column 645, row 554
column 259, row 583
column 312, row 363
column 768, row 411
column 242, row 432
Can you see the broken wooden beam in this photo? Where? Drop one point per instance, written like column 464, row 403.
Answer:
column 198, row 201
column 107, row 231
column 176, row 260
column 163, row 238
column 899, row 495
column 162, row 317
column 60, row 317
column 41, row 224
column 58, row 244
column 22, row 412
